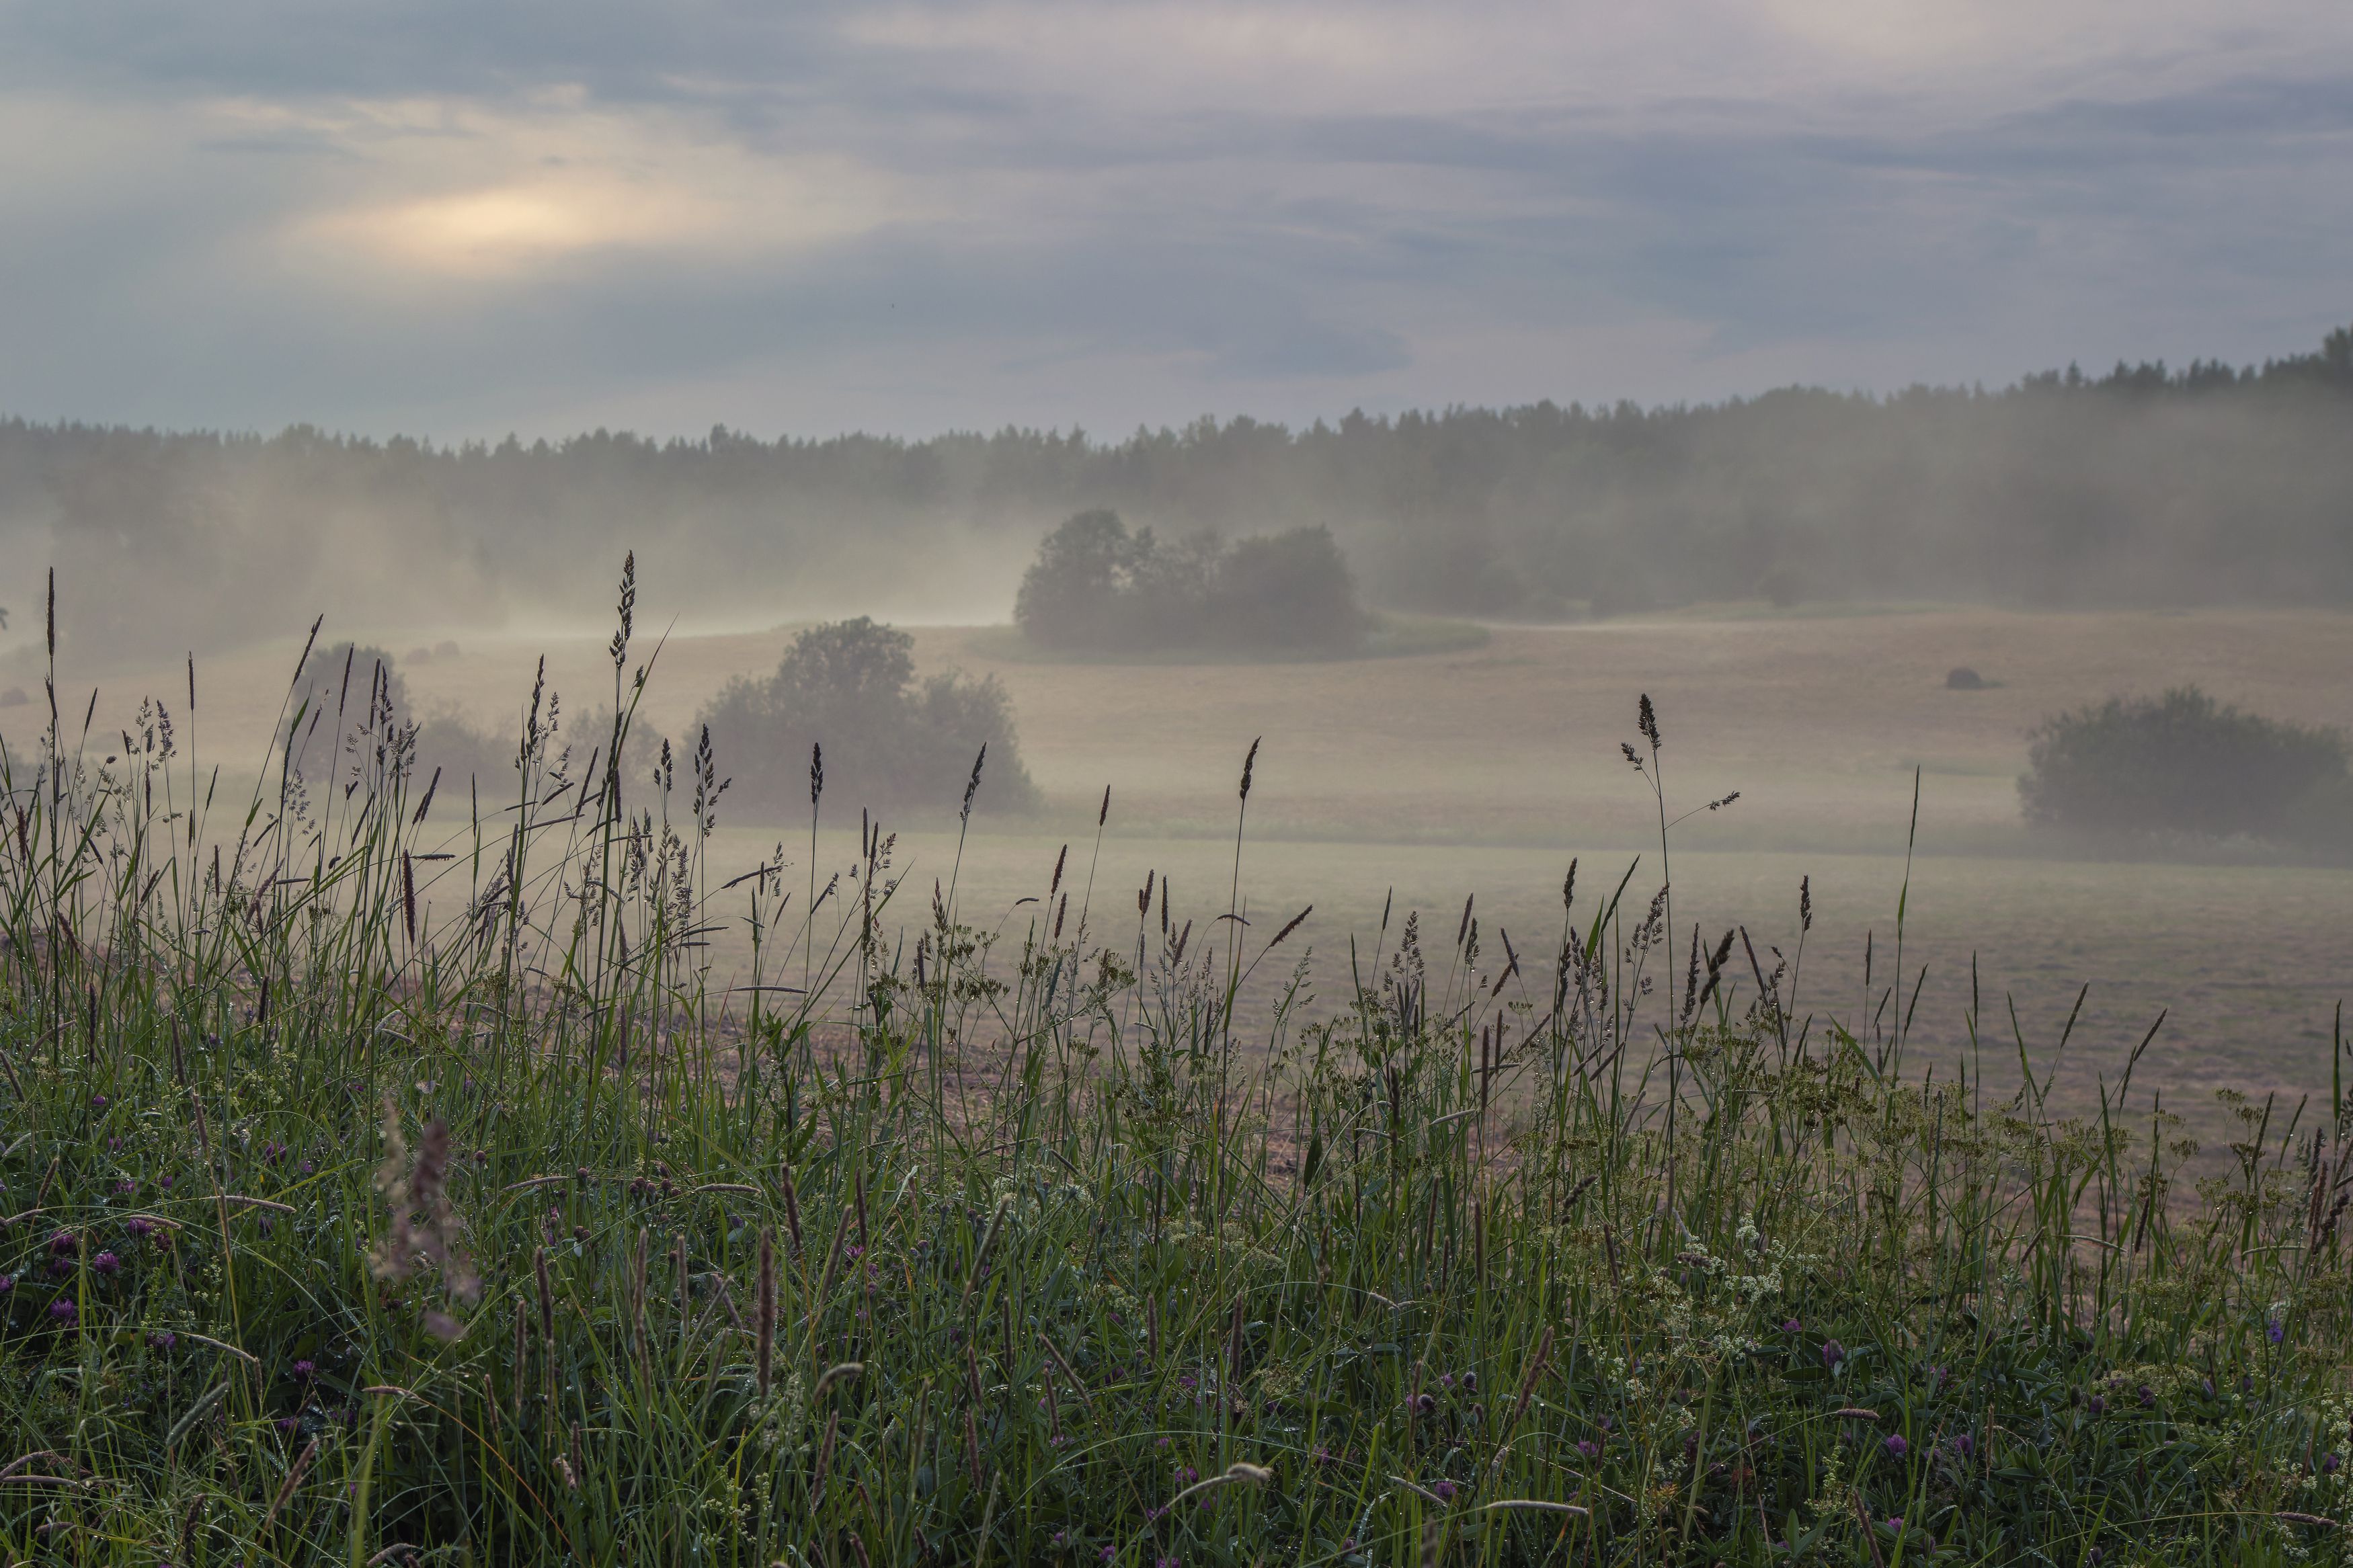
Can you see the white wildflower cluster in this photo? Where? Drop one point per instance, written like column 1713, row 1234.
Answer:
column 781, row 1418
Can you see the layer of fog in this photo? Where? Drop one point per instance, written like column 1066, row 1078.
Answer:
column 2144, row 488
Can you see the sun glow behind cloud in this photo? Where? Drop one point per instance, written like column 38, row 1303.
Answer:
column 493, row 230
column 452, row 188
column 914, row 214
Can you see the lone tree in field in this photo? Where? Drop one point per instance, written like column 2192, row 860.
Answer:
column 890, row 739
column 2181, row 762
column 1097, row 587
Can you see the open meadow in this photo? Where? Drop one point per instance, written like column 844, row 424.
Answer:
column 1416, row 783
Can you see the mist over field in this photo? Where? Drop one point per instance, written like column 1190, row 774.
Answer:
column 2139, row 488
column 1188, row 783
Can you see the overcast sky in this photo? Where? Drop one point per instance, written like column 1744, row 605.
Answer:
column 458, row 220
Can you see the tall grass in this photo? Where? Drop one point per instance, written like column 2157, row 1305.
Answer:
column 382, row 1192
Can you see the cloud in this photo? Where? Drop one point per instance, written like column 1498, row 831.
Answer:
column 458, row 221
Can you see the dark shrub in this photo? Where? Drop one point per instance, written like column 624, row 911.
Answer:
column 1783, row 587
column 1287, row 590
column 889, row 739
column 2180, row 762
column 1095, row 586
column 1961, row 677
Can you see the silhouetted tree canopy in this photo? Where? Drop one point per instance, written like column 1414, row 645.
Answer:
column 889, row 737
column 1097, row 585
column 2182, row 763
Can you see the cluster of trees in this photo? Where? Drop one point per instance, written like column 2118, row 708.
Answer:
column 2184, row 764
column 1097, row 585
column 2147, row 485
column 887, row 738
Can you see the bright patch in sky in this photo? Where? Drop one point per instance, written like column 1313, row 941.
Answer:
column 458, row 221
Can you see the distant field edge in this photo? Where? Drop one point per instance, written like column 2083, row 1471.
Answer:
column 1390, row 637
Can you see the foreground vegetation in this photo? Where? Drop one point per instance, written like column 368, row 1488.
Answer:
column 379, row 1197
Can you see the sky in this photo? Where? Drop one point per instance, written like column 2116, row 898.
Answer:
column 458, row 221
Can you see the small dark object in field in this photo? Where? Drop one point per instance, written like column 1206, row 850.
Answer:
column 445, row 649
column 1961, row 677
column 14, row 698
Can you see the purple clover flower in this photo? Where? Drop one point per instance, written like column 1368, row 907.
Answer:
column 105, row 1263
column 1833, row 1352
column 1895, row 1446
column 64, row 1309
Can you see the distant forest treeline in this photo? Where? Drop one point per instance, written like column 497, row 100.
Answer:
column 2144, row 486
